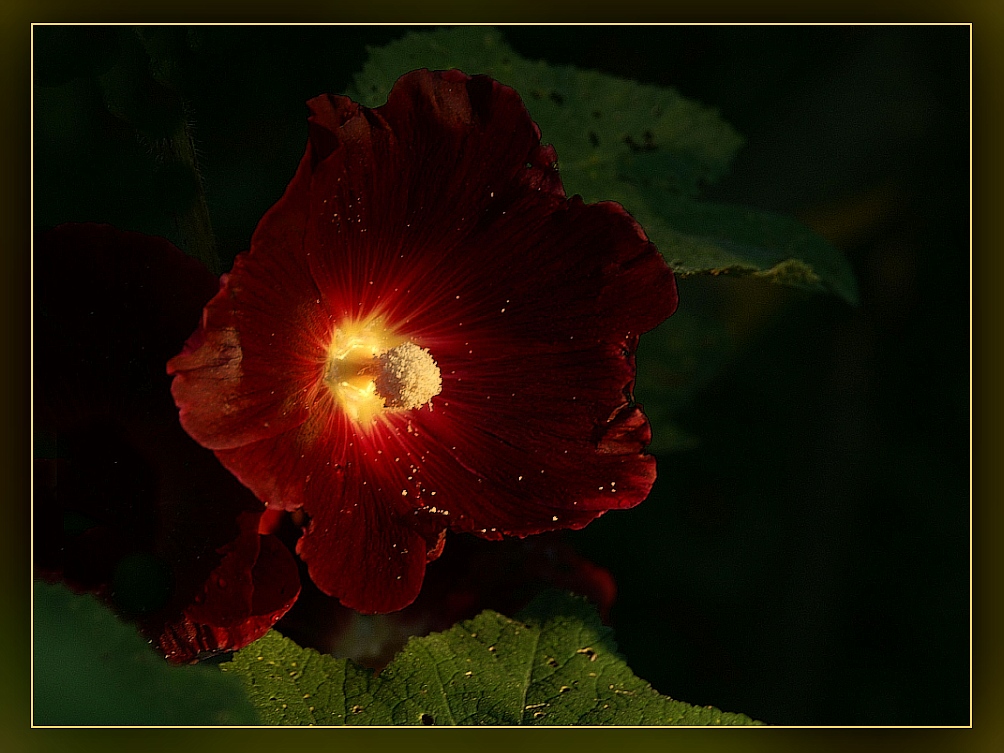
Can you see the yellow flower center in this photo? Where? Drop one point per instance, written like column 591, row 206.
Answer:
column 372, row 369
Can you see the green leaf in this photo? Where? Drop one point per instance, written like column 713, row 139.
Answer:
column 704, row 238
column 92, row 669
column 555, row 665
column 701, row 238
column 599, row 124
column 643, row 146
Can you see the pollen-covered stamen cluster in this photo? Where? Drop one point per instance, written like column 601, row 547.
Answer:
column 371, row 369
column 409, row 377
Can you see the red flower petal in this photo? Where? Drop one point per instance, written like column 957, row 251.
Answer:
column 355, row 531
column 254, row 585
column 439, row 218
column 229, row 404
column 161, row 521
column 474, row 575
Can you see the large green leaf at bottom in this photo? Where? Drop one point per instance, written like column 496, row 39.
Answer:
column 555, row 665
column 92, row 669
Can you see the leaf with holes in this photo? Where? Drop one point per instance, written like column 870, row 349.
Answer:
column 643, row 146
column 600, row 125
column 555, row 665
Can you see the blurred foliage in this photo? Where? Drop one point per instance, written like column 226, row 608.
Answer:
column 92, row 669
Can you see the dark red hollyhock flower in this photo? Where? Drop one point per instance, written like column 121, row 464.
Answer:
column 426, row 334
column 126, row 505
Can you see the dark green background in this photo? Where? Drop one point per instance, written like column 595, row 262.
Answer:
column 808, row 563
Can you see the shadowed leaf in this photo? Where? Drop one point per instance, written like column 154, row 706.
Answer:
column 92, row 669
column 643, row 146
